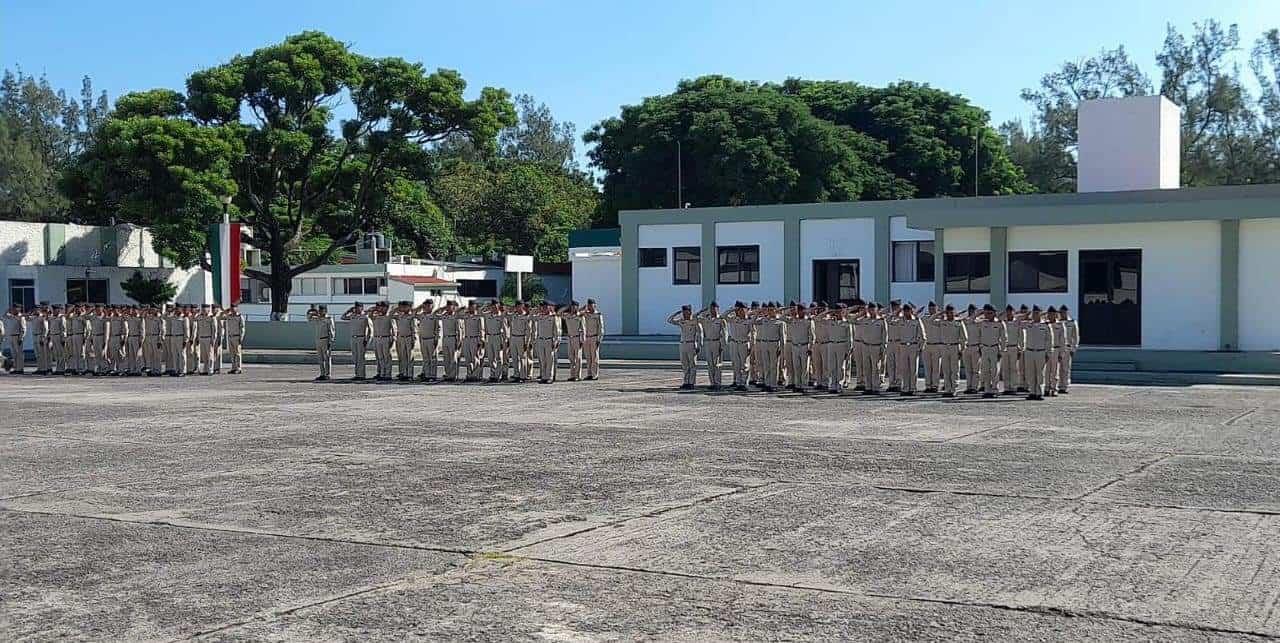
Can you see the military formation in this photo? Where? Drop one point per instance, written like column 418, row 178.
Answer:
column 92, row 339
column 471, row 343
column 875, row 349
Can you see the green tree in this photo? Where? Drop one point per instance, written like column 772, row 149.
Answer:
column 148, row 291
column 531, row 288
column 258, row 129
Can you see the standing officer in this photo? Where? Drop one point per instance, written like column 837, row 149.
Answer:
column 770, row 331
column 15, row 330
column 117, row 337
column 575, row 332
column 494, row 323
column 175, row 327
column 952, row 338
column 96, row 339
column 323, row 328
column 384, row 332
column 1071, row 342
column 713, row 334
column 839, row 344
column 429, row 340
column 1011, row 357
column 450, row 339
column 406, row 336
column 472, row 341
column 520, row 327
column 1052, row 365
column 206, row 335
column 872, row 336
column 134, row 323
column 57, row 340
column 38, row 321
column 800, row 341
column 971, row 358
column 593, row 322
column 77, row 327
column 1039, row 341
column 932, row 352
column 894, row 324
column 193, row 346
column 233, row 327
column 993, row 337
column 690, row 343
column 911, row 339
column 546, row 326
column 739, row 328
column 818, row 349
column 757, row 376
column 153, row 339
column 361, row 332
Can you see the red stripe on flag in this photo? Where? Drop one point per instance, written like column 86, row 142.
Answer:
column 233, row 263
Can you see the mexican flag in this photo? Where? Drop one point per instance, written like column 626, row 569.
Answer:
column 224, row 257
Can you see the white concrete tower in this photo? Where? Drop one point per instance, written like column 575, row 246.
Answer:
column 1128, row 144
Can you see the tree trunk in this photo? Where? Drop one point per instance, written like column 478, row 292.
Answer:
column 281, row 279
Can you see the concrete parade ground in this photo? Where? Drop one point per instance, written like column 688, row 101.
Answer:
column 265, row 506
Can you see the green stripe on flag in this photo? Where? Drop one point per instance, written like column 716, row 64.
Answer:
column 216, row 260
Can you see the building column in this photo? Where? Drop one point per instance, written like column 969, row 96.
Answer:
column 939, row 268
column 790, row 259
column 708, row 262
column 630, row 278
column 884, row 248
column 1229, row 306
column 999, row 267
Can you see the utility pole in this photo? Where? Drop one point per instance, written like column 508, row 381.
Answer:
column 976, row 134
column 679, row 176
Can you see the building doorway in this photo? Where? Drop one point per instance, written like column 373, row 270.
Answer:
column 1110, row 309
column 835, row 281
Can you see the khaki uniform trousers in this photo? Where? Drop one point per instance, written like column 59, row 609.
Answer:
column 521, row 365
column 75, row 357
column 990, row 368
column 739, row 357
column 236, row 349
column 950, row 361
column 133, row 354
column 1033, row 372
column 908, row 360
column 799, row 364
column 493, row 354
column 471, row 355
column 971, row 359
column 1051, row 372
column 932, row 354
column 206, row 355
column 818, row 364
column 113, row 356
column 193, row 357
column 575, row 358
column 545, row 349
column 836, row 358
column 42, row 347
column 153, row 353
column 1065, row 358
column 591, row 352
column 382, row 355
column 430, row 349
column 324, row 355
column 753, row 359
column 449, row 355
column 177, row 358
column 1010, row 375
column 856, row 371
column 713, row 351
column 359, row 344
column 870, row 366
column 58, row 352
column 891, row 364
column 404, row 354
column 689, row 362
column 15, row 350
column 767, row 353
column 95, row 353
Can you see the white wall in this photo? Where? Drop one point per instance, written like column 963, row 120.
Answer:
column 1259, row 284
column 916, row 292
column 1128, row 144
column 837, row 239
column 767, row 235
column 955, row 240
column 658, row 297
column 1181, row 280
column 597, row 274
column 21, row 243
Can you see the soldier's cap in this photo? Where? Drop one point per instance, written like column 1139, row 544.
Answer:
column 895, row 302
column 590, row 302
column 972, row 307
column 1035, row 309
column 573, row 303
column 1052, row 310
column 950, row 308
column 322, row 307
column 932, row 304
column 1022, row 307
column 738, row 304
column 908, row 307
column 713, row 305
column 988, row 308
column 1062, row 308
column 755, row 304
column 685, row 307
column 1008, row 307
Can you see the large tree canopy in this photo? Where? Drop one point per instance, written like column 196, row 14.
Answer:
column 802, row 141
column 260, row 130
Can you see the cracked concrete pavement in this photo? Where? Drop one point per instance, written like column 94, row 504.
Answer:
column 268, row 507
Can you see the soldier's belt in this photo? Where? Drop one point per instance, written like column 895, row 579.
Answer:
column 909, row 343
column 382, row 337
column 472, row 336
column 495, row 334
column 991, row 346
column 938, row 344
column 553, row 337
column 768, row 341
column 590, row 336
column 798, row 343
column 1037, row 350
column 98, row 334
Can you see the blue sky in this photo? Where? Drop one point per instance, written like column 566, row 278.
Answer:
column 585, row 59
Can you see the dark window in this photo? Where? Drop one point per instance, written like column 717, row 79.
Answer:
column 246, row 290
column 912, row 261
column 653, row 257
column 968, row 272
column 738, row 264
column 1038, row 271
column 22, row 293
column 87, row 291
column 478, row 288
column 688, row 266
column 359, row 285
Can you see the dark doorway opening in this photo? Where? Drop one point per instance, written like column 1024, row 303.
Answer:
column 1110, row 309
column 835, row 281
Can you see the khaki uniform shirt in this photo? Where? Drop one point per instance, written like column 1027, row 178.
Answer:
column 712, row 328
column 872, row 332
column 383, row 326
column 594, row 323
column 1017, row 334
column 323, row 327
column 770, row 331
column 98, row 325
column 495, row 324
column 77, row 325
column 1073, row 334
column 1059, row 331
column 207, row 327
column 133, row 326
column 519, row 324
column 992, row 334
column 547, row 327
column 690, row 330
column 800, row 332
column 1039, row 337
column 406, row 324
column 233, row 325
column 911, row 332
column 58, row 326
column 573, row 327
column 428, row 325
column 39, row 325
column 971, row 329
column 472, row 325
column 951, row 333
column 360, row 326
column 152, row 327
column 838, row 331
column 739, row 330
column 450, row 326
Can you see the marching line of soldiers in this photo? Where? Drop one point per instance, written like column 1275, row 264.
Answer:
column 867, row 345
column 94, row 339
column 466, row 342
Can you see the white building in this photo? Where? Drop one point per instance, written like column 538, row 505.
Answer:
column 1144, row 265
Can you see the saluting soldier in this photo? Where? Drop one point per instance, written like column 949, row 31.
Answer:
column 1039, row 342
column 992, row 339
column 546, row 326
column 38, row 322
column 494, row 323
column 153, row 342
column 15, row 331
column 740, row 328
column 1067, row 355
column 233, row 326
column 193, row 345
column 57, row 340
column 472, row 341
column 757, row 375
column 322, row 327
column 713, row 337
column 1052, row 365
column 690, row 344
column 971, row 358
column 206, row 335
column 117, row 337
column 429, row 340
column 818, row 349
column 872, row 336
column 450, row 340
column 839, row 333
column 95, row 339
column 893, row 323
column 912, row 338
column 1011, row 356
column 77, row 328
column 799, row 341
column 133, row 362
column 932, row 352
column 406, row 323
column 769, row 335
column 361, row 330
column 384, row 332
column 175, row 330
column 593, row 323
column 952, row 338
column 576, row 333
column 520, row 344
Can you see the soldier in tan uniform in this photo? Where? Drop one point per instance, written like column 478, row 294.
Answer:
column 15, row 333
column 690, row 344
column 450, row 340
column 133, row 362
column 912, row 337
column 993, row 337
column 971, row 358
column 593, row 320
column 1039, row 341
column 176, row 330
column 893, row 323
column 818, row 374
column 361, row 330
column 952, row 338
column 496, row 340
column 322, row 327
column 57, row 340
column 206, row 335
column 1066, row 356
column 872, row 333
column 95, row 339
column 713, row 340
column 472, row 326
column 753, row 360
column 117, row 340
column 1052, row 365
column 406, row 327
column 233, row 327
column 576, row 333
column 799, row 343
column 384, row 337
column 932, row 353
column 769, row 334
column 520, row 342
column 38, row 322
column 546, row 342
column 77, row 327
column 1011, row 357
column 153, row 342
column 739, row 329
column 429, row 340
column 839, row 334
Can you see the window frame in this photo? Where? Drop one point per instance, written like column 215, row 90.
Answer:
column 949, row 275
column 464, row 288
column 104, row 284
column 1022, row 255
column 916, row 263
column 740, row 266
column 692, row 267
column 645, row 257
